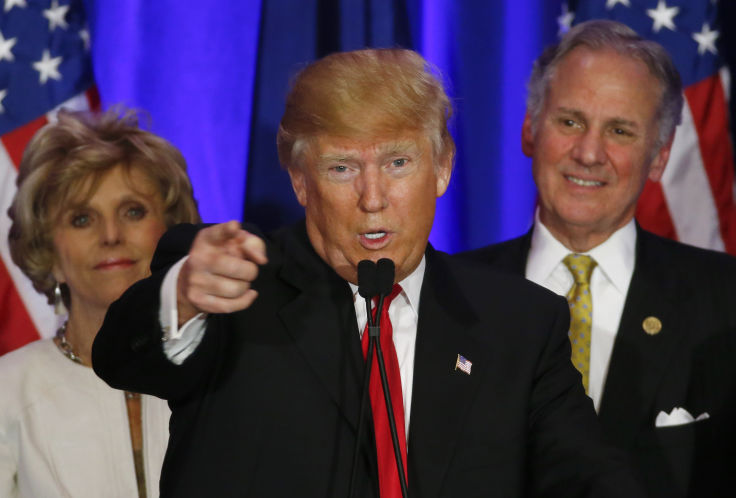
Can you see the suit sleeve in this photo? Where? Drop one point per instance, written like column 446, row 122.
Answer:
column 128, row 350
column 567, row 453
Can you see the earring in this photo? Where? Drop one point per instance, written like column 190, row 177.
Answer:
column 59, row 307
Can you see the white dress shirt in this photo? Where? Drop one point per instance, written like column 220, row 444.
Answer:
column 404, row 315
column 609, row 285
column 179, row 343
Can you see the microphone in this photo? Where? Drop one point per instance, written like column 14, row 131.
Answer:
column 385, row 270
column 367, row 279
column 376, row 279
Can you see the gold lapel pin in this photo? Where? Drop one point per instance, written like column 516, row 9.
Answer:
column 652, row 325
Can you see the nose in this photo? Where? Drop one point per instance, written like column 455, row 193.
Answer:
column 589, row 149
column 111, row 232
column 372, row 190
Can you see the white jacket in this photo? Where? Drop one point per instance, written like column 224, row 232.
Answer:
column 65, row 433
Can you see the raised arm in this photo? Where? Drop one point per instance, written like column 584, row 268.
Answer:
column 221, row 265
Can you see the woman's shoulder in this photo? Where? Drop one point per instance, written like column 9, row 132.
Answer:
column 30, row 355
column 24, row 370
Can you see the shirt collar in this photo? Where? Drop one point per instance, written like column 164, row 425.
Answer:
column 411, row 286
column 615, row 256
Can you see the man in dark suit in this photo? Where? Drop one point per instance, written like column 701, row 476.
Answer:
column 261, row 355
column 653, row 322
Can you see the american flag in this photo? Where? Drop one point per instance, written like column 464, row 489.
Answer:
column 463, row 364
column 44, row 66
column 694, row 201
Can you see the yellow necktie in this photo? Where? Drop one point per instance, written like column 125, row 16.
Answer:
column 581, row 311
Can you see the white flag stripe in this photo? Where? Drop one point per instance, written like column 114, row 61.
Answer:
column 725, row 76
column 39, row 310
column 76, row 103
column 687, row 190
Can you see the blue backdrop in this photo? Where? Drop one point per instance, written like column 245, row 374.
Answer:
column 213, row 76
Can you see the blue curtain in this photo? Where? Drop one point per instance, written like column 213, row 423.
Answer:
column 213, row 76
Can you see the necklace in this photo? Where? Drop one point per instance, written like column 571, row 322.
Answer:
column 64, row 346
column 68, row 351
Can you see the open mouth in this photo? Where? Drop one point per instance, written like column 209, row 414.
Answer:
column 583, row 183
column 377, row 239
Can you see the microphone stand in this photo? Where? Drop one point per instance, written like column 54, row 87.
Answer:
column 386, row 273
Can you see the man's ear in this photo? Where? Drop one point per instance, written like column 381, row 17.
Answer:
column 444, row 173
column 527, row 137
column 656, row 167
column 298, row 184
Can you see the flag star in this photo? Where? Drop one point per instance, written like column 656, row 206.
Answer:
column 706, row 40
column 564, row 21
column 55, row 14
column 3, row 94
column 9, row 4
column 612, row 3
column 6, row 46
column 47, row 67
column 84, row 35
column 663, row 16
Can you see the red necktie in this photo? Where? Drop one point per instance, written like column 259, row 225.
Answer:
column 388, row 475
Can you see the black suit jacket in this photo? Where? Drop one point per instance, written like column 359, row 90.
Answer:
column 268, row 403
column 691, row 364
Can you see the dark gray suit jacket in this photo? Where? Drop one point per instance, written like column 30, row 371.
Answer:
column 691, row 364
column 268, row 403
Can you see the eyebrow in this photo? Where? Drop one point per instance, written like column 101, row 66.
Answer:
column 84, row 204
column 383, row 149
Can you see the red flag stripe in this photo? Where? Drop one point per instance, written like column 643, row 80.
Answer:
column 16, row 326
column 708, row 105
column 15, row 141
column 652, row 212
column 93, row 98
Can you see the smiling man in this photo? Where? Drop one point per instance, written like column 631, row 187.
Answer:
column 256, row 339
column 653, row 327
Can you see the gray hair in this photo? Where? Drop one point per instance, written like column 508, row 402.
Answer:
column 603, row 34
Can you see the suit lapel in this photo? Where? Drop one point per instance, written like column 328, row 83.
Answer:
column 639, row 360
column 321, row 321
column 441, row 394
column 514, row 253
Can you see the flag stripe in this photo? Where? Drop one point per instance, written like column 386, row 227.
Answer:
column 652, row 212
column 687, row 190
column 707, row 102
column 26, row 314
column 15, row 141
column 15, row 318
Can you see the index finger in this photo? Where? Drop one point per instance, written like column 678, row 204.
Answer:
column 253, row 248
column 222, row 232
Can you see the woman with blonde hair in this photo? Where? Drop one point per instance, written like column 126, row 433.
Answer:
column 95, row 193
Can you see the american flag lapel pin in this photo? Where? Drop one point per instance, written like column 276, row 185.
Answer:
column 463, row 364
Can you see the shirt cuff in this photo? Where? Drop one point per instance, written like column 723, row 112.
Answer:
column 178, row 342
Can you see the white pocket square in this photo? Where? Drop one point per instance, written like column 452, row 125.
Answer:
column 678, row 416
